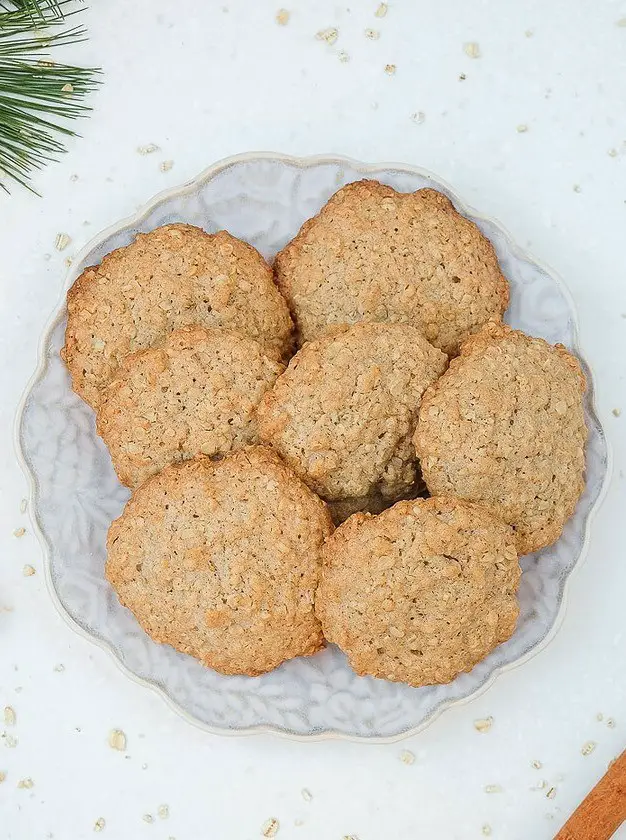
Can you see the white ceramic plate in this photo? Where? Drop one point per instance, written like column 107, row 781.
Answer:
column 264, row 199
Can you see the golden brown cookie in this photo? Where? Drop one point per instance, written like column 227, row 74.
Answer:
column 221, row 560
column 505, row 427
column 420, row 593
column 171, row 277
column 373, row 254
column 343, row 413
column 197, row 394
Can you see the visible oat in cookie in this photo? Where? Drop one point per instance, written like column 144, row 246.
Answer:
column 343, row 413
column 171, row 277
column 221, row 560
column 374, row 254
column 420, row 593
column 505, row 427
column 195, row 395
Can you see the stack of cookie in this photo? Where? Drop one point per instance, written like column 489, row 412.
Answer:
column 240, row 466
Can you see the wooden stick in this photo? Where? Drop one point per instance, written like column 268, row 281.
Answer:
column 602, row 812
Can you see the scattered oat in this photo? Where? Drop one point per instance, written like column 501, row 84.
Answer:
column 23, row 505
column 486, row 830
column 616, row 412
column 493, row 788
column 390, row 69
column 600, row 716
column 407, row 757
column 166, row 165
column 418, row 117
column 99, row 824
column 298, row 823
column 472, row 49
column 577, row 188
column 45, row 63
column 148, row 818
column 588, row 747
column 9, row 716
column 372, row 34
column 144, row 766
column 307, row 795
column 551, row 793
column 612, row 153
column 3, row 776
column 163, row 811
column 59, row 667
column 62, row 241
column 462, row 77
column 28, row 571
column 74, row 177
column 68, row 88
column 381, row 11
column 529, row 33
column 343, row 56
column 483, row 724
column 25, row 784
column 270, row 827
column 282, row 17
column 610, row 723
column 329, row 35
column 349, row 837
column 621, row 22
column 19, row 532
column 10, row 741
column 522, row 128
column 148, row 150
column 541, row 786
column 536, row 764
column 117, row 740
column 68, row 261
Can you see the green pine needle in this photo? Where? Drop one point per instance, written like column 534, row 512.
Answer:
column 38, row 97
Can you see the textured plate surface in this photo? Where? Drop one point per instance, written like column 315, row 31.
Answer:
column 264, row 199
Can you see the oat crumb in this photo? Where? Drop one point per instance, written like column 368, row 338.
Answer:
column 343, row 56
column 612, row 153
column 588, row 747
column 10, row 741
column 536, row 764
column 472, row 49
column 577, row 188
column 551, row 793
column 493, row 788
column 462, row 77
column 390, row 69
column 600, row 716
column 270, row 827
column 148, row 818
column 68, row 261
column 147, row 150
column 418, row 117
column 23, row 505
column 372, row 34
column 349, row 837
column 59, row 668
column 166, row 165
column 522, row 128
column 74, row 177
column 610, row 723
column 163, row 811
column 9, row 716
column 621, row 22
column 529, row 33
column 298, row 823
column 99, row 824
column 62, row 241
column 282, row 17
column 407, row 757
column 3, row 776
column 486, row 830
column 117, row 740
column 306, row 794
column 68, row 88
column 541, row 786
column 483, row 724
column 19, row 532
column 144, row 766
column 329, row 35
column 25, row 784
column 617, row 412
column 381, row 11
column 28, row 571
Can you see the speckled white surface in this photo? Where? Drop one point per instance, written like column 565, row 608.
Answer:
column 204, row 83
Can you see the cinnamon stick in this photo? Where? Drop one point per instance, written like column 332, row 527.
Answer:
column 602, row 812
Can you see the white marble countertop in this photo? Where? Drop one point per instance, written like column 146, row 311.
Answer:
column 204, row 81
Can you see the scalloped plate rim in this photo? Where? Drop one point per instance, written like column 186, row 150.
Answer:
column 304, row 162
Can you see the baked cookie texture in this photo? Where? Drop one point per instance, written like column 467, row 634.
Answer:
column 343, row 413
column 420, row 593
column 197, row 394
column 505, row 426
column 171, row 277
column 374, row 254
column 221, row 560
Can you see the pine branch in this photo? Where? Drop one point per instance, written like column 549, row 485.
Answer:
column 37, row 96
